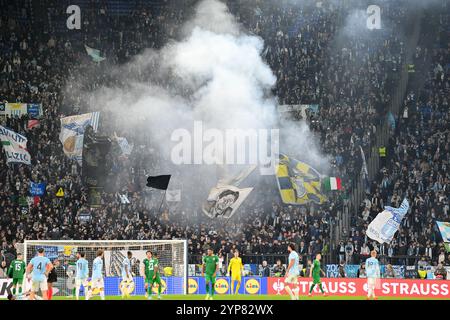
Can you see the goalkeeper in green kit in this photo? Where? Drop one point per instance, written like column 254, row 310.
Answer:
column 151, row 265
column 16, row 271
column 209, row 271
column 315, row 274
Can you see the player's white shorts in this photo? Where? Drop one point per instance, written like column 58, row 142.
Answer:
column 98, row 283
column 371, row 282
column 36, row 285
column 79, row 282
column 292, row 278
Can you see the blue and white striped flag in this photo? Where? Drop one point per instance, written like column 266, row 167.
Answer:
column 387, row 223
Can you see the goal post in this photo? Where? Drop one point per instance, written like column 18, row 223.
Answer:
column 172, row 256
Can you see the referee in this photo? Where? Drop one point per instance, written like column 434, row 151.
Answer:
column 52, row 277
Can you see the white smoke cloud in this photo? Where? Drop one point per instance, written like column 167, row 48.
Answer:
column 215, row 73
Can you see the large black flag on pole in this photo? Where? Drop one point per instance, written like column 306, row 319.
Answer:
column 159, row 182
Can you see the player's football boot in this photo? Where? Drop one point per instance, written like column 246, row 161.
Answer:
column 159, row 297
column 207, row 297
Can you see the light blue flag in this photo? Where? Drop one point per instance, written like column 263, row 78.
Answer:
column 387, row 223
column 444, row 228
column 94, row 54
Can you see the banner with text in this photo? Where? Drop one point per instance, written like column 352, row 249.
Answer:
column 15, row 146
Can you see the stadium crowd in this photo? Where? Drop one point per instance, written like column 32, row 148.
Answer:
column 416, row 165
column 350, row 76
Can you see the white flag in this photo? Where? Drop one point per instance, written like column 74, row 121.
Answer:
column 123, row 199
column 72, row 133
column 94, row 54
column 124, row 145
column 387, row 223
column 223, row 201
column 15, row 146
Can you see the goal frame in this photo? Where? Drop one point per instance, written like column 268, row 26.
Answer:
column 118, row 243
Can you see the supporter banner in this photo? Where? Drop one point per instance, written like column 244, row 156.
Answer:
column 15, row 109
column 351, row 270
column 34, row 109
column 85, row 216
column 19, row 109
column 37, row 189
column 33, row 124
column 298, row 182
column 15, row 146
column 444, row 228
column 51, row 252
column 72, row 133
column 411, row 272
column 387, row 223
column 223, row 201
column 358, row 287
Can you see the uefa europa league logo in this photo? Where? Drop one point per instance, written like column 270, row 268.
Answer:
column 278, row 286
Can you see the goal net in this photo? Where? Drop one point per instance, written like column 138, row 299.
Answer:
column 172, row 256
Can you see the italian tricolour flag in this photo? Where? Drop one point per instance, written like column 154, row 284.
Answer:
column 332, row 183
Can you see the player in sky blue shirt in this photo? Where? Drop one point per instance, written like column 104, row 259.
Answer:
column 373, row 274
column 126, row 266
column 97, row 268
column 81, row 276
column 39, row 264
column 39, row 267
column 295, row 267
column 82, row 269
column 126, row 275
column 292, row 273
column 97, row 275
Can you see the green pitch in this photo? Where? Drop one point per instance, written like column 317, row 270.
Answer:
column 242, row 297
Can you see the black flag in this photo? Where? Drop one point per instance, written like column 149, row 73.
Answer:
column 159, row 182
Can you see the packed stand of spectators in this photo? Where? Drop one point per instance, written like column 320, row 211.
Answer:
column 417, row 166
column 349, row 83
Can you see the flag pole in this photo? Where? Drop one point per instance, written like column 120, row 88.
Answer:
column 162, row 200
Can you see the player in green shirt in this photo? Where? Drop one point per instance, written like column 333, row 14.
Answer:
column 209, row 270
column 315, row 274
column 151, row 265
column 16, row 271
